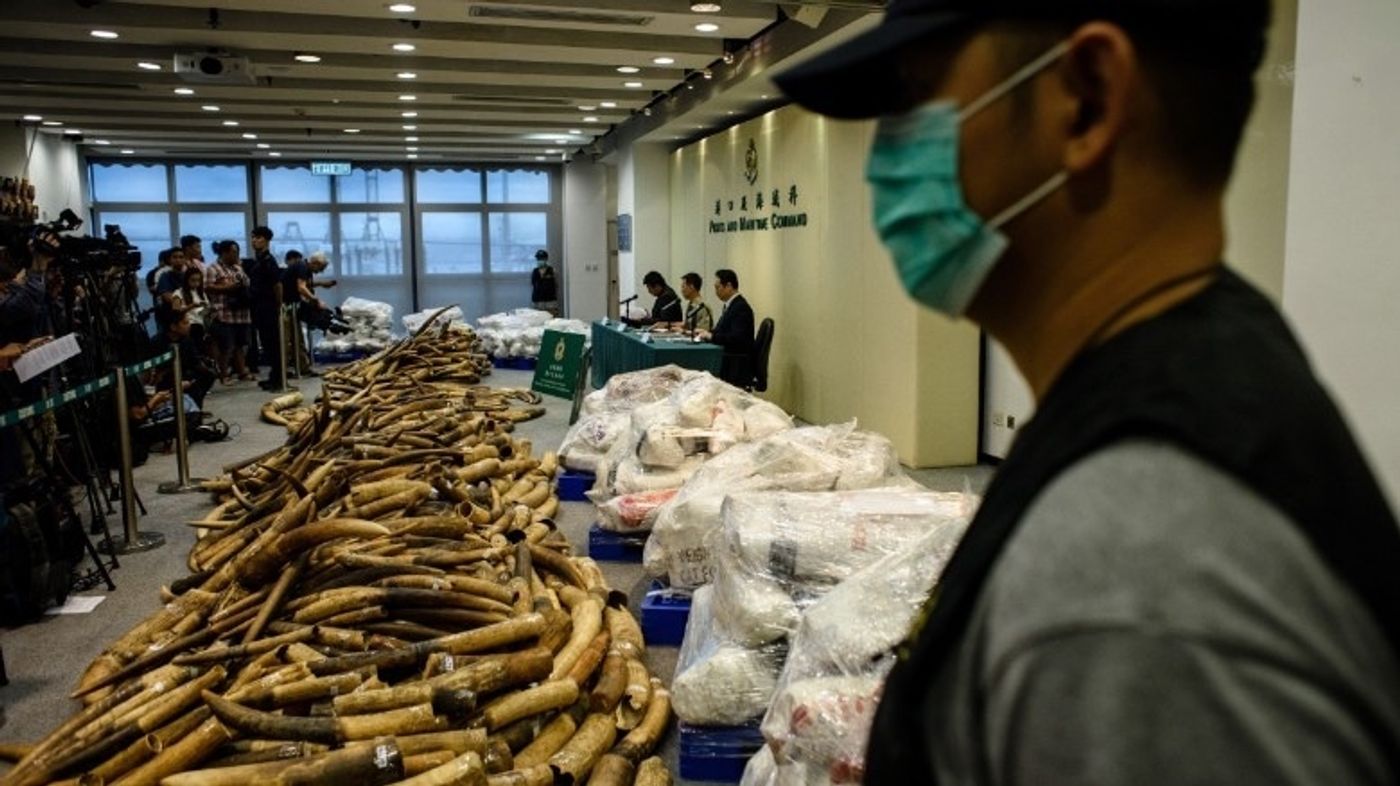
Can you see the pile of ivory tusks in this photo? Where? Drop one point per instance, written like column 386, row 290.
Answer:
column 383, row 600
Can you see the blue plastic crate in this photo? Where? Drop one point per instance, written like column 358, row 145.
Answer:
column 664, row 616
column 717, row 753
column 605, row 546
column 715, row 769
column 574, row 485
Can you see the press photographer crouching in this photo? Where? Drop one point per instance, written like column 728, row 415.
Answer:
column 299, row 289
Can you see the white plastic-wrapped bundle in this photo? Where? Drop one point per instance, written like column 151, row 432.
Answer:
column 672, row 438
column 607, row 414
column 452, row 316
column 371, row 327
column 814, row 458
column 819, row 721
column 633, row 512
column 718, row 682
column 778, row 553
column 515, row 333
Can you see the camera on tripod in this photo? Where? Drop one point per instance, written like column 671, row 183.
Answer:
column 91, row 254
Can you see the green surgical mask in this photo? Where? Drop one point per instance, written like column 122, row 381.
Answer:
column 942, row 250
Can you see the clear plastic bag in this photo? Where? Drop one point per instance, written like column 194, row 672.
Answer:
column 819, row 721
column 814, row 458
column 607, row 414
column 718, row 682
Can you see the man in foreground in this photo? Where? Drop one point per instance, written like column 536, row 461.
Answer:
column 1184, row 572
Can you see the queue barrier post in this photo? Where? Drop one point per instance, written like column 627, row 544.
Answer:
column 289, row 316
column 183, row 483
column 134, row 541
column 282, row 355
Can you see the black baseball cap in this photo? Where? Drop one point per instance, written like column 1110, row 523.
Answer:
column 860, row 78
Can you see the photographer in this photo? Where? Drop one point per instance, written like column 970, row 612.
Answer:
column 24, row 297
column 230, row 318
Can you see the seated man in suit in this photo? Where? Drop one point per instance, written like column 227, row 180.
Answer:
column 666, row 309
column 734, row 331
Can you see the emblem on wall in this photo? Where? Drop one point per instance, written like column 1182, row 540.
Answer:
column 751, row 163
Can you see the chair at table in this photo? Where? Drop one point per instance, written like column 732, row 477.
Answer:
column 762, row 348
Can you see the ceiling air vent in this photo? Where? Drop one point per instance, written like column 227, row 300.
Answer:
column 516, row 14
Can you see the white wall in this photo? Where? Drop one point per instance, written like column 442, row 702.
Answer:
column 1256, row 211
column 644, row 192
column 51, row 163
column 585, row 240
column 1342, row 278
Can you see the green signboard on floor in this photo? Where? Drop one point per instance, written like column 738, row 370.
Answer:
column 561, row 356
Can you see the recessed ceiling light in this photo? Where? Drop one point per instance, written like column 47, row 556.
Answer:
column 411, row 149
column 632, row 84
column 184, row 91
column 408, row 98
column 587, row 107
column 263, row 146
column 410, row 127
column 664, row 60
column 210, row 108
column 72, row 131
column 707, row 27
column 703, row 7
column 101, row 142
column 539, row 158
column 609, row 105
column 628, row 69
column 146, row 65
column 128, row 152
column 408, row 114
column 52, row 123
column 404, row 47
column 105, row 34
column 352, row 130
column 231, row 123
column 590, row 119
column 403, row 8
column 764, row 96
column 410, row 139
column 32, row 118
column 575, row 131
column 551, row 152
column 411, row 155
column 306, row 57
column 275, row 154
column 407, row 75
column 250, row 136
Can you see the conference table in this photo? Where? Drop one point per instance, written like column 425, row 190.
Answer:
column 618, row 349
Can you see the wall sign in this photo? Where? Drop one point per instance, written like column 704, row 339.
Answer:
column 762, row 210
column 624, row 232
column 330, row 167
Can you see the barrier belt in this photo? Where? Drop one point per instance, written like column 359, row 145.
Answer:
column 17, row 416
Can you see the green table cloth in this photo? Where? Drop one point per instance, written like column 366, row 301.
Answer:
column 618, row 349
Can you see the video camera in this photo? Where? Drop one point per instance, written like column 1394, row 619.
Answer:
column 91, row 254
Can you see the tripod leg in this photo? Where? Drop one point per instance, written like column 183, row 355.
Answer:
column 93, row 492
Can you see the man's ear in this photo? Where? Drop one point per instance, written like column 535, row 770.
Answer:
column 1098, row 75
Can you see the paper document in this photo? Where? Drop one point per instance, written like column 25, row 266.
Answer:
column 77, row 604
column 40, row 359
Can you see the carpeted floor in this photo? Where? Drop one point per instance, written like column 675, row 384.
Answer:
column 45, row 659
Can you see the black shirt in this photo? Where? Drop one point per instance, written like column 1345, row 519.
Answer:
column 667, row 307
column 299, row 270
column 264, row 274
column 544, row 287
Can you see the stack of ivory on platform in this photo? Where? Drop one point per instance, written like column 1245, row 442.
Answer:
column 384, row 599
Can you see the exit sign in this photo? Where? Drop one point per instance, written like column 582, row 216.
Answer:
column 330, row 167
